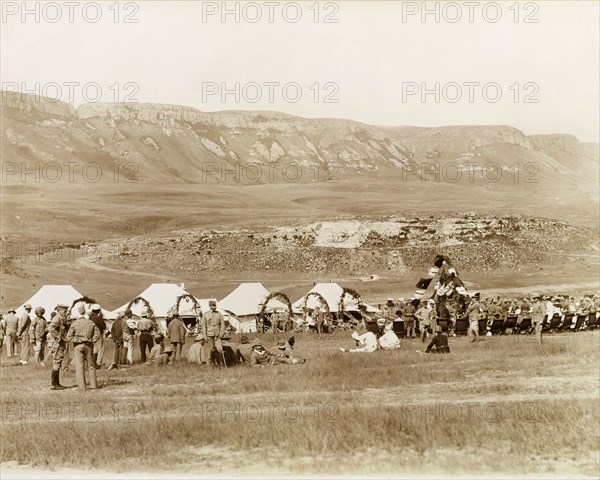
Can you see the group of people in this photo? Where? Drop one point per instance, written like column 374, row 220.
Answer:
column 151, row 336
column 368, row 342
column 79, row 336
column 252, row 352
column 420, row 316
column 82, row 337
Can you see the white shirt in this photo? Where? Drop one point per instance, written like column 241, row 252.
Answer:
column 389, row 340
column 368, row 342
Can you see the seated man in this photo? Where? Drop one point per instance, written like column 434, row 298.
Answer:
column 243, row 350
column 439, row 344
column 157, row 350
column 259, row 355
column 165, row 358
column 367, row 342
column 199, row 352
column 284, row 353
column 389, row 340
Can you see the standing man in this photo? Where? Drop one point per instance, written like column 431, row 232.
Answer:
column 128, row 336
column 538, row 314
column 11, row 325
column 116, row 332
column 23, row 335
column 58, row 332
column 38, row 331
column 425, row 315
column 83, row 333
column 409, row 320
column 147, row 328
column 98, row 319
column 213, row 329
column 319, row 317
column 176, row 333
column 473, row 317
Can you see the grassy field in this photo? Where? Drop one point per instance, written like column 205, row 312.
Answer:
column 503, row 406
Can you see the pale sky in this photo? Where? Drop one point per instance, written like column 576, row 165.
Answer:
column 375, row 61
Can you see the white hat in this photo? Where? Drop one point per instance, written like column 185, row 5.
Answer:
column 401, row 299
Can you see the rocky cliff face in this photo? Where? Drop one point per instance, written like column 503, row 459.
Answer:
column 33, row 104
column 566, row 143
column 172, row 143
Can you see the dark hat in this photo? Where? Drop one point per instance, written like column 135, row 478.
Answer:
column 244, row 339
column 212, row 303
column 62, row 305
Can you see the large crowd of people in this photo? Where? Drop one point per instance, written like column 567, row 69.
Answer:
column 39, row 338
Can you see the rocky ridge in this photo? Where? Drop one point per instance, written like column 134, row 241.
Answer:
column 359, row 246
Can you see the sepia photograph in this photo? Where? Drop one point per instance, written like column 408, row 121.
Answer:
column 299, row 239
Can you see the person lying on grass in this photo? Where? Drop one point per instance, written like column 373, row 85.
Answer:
column 439, row 344
column 367, row 342
column 283, row 352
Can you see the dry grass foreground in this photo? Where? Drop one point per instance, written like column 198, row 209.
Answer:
column 501, row 407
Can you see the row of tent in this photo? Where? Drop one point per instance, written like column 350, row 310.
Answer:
column 240, row 307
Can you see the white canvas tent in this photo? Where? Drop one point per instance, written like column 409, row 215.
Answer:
column 332, row 293
column 50, row 295
column 161, row 297
column 244, row 305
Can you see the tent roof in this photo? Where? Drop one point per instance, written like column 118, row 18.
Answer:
column 49, row 296
column 244, row 300
column 161, row 297
column 331, row 292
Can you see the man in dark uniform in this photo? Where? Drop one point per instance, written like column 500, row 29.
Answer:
column 98, row 319
column 439, row 344
column 116, row 332
column 147, row 328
